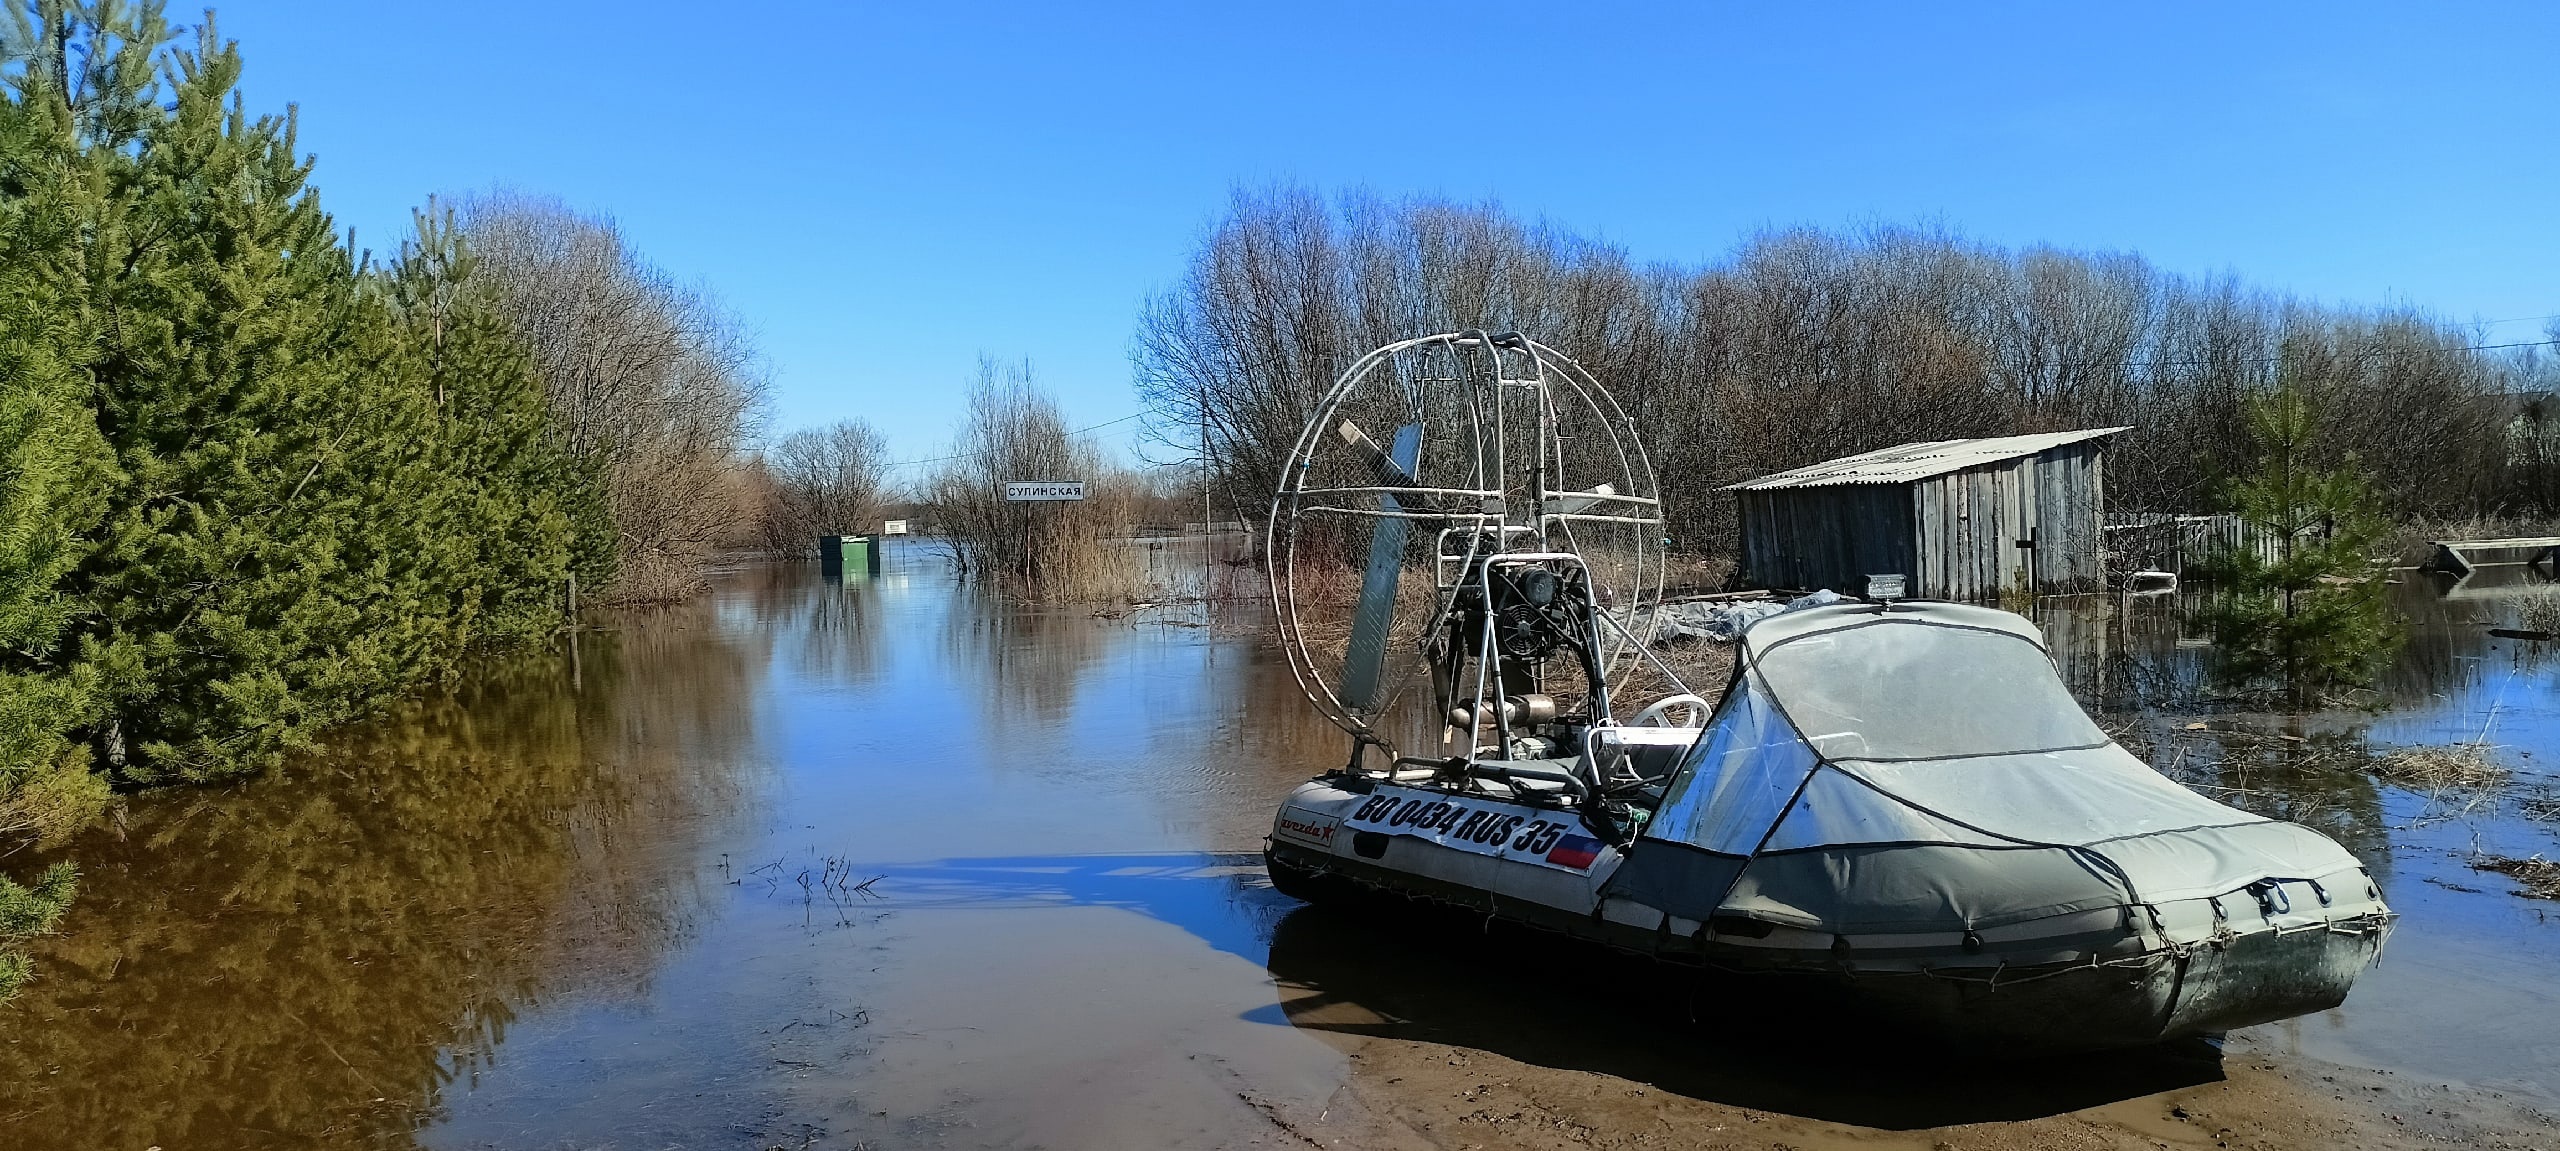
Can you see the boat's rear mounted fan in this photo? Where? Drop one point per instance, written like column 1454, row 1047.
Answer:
column 1463, row 534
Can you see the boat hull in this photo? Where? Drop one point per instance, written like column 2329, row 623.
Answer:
column 2089, row 981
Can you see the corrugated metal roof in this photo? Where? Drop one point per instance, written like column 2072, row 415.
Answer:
column 1903, row 463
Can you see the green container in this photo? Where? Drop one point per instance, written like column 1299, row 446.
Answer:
column 838, row 555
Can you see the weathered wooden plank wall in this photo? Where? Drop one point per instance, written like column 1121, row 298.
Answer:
column 1826, row 537
column 1956, row 535
column 2071, row 551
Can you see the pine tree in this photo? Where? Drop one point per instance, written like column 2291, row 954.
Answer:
column 530, row 515
column 249, row 485
column 321, row 483
column 2303, row 614
column 333, row 492
column 30, row 910
column 221, row 387
column 55, row 468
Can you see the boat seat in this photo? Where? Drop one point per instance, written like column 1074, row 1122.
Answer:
column 1644, row 757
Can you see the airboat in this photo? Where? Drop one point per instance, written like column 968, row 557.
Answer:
column 1898, row 801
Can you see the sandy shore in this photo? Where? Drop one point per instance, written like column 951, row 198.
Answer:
column 1415, row 1093
column 1496, row 1040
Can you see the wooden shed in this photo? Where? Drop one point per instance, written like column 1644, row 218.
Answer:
column 1960, row 519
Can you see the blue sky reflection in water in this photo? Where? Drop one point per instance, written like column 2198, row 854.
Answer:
column 557, row 913
column 2470, row 985
column 1064, row 811
column 2473, row 970
column 1067, row 930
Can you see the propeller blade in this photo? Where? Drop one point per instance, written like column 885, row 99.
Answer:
column 1364, row 662
column 1390, row 471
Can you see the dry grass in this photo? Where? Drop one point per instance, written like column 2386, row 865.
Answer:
column 2540, row 877
column 2457, row 779
column 2306, row 778
column 1690, row 573
column 2195, row 742
column 1704, row 666
column 2452, row 767
column 2542, row 806
column 2539, row 610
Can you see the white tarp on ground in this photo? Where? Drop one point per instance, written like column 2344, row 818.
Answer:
column 1924, row 768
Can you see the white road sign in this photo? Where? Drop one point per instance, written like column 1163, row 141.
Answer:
column 893, row 527
column 1022, row 490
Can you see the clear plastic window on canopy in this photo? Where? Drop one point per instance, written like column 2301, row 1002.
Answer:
column 1737, row 778
column 1899, row 690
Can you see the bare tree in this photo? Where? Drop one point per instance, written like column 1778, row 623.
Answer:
column 1013, row 431
column 824, row 481
column 649, row 382
column 1803, row 345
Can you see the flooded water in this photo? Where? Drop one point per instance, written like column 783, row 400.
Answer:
column 2469, row 986
column 887, row 864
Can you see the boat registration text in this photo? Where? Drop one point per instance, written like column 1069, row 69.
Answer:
column 1526, row 834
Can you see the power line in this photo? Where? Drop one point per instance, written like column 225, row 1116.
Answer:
column 2524, row 344
column 965, row 455
column 2136, row 367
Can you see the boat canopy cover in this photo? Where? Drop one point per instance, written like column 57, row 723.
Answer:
column 1922, row 768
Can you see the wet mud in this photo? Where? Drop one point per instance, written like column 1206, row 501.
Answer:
column 886, row 864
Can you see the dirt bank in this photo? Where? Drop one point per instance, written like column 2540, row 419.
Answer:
column 1409, row 1092
column 1462, row 1035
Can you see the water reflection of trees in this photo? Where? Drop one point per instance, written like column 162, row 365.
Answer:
column 2450, row 650
column 830, row 628
column 314, row 957
column 2320, row 779
column 1206, row 711
column 2134, row 659
column 1026, row 663
column 2128, row 654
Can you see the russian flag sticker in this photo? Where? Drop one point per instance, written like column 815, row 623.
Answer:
column 1578, row 852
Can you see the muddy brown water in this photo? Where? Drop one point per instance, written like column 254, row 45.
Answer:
column 887, row 864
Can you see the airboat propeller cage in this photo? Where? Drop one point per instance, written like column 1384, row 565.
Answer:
column 1495, row 472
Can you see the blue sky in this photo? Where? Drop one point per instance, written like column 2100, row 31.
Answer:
column 885, row 192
